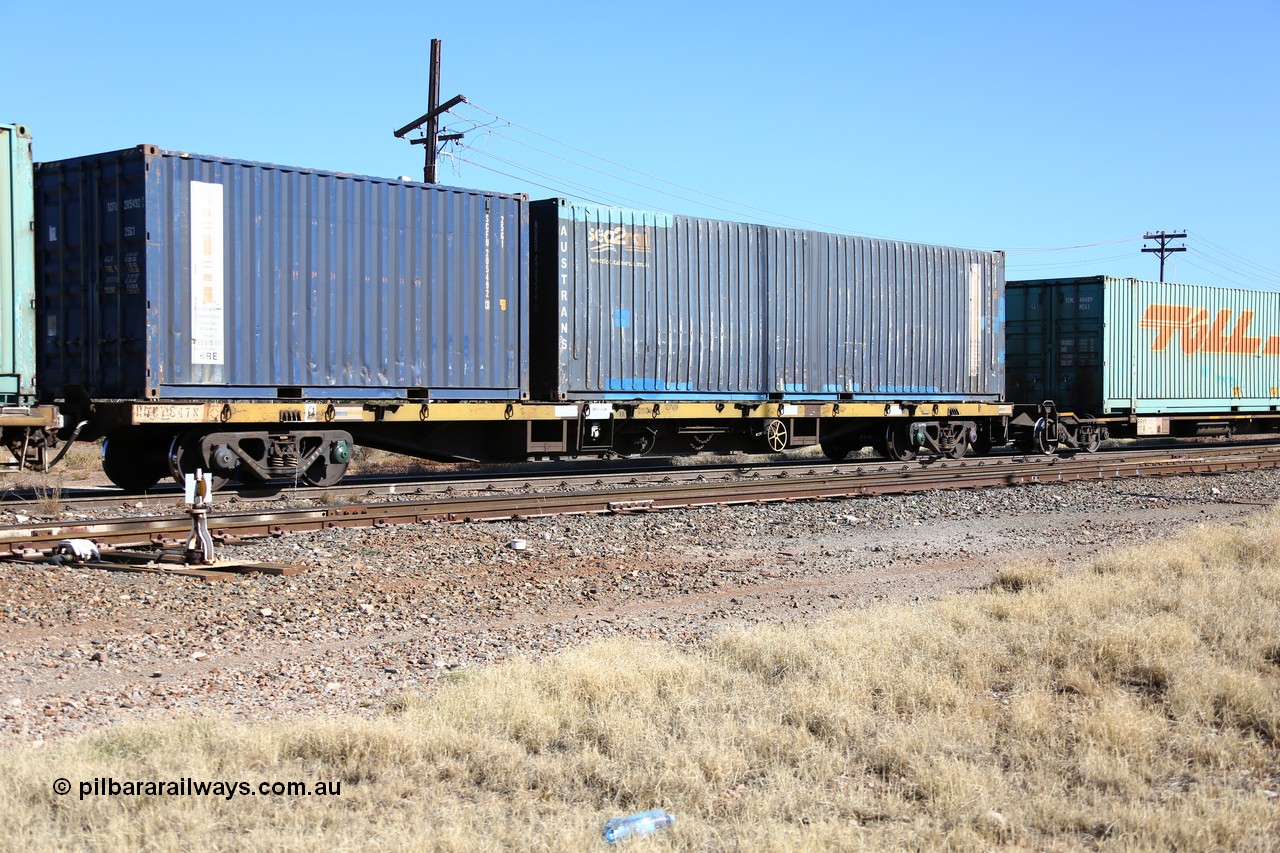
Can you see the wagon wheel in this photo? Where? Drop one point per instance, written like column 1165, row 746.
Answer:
column 639, row 443
column 959, row 449
column 897, row 443
column 323, row 473
column 837, row 450
column 1094, row 441
column 185, row 458
column 1040, row 441
column 982, row 447
column 132, row 463
column 775, row 436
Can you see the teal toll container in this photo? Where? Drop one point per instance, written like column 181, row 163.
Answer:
column 17, row 270
column 1107, row 346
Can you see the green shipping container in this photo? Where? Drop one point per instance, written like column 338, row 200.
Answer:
column 1107, row 346
column 17, row 271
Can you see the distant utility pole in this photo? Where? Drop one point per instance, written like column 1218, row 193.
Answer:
column 1164, row 250
column 431, row 137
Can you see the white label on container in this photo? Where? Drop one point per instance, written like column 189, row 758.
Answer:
column 53, row 233
column 208, row 335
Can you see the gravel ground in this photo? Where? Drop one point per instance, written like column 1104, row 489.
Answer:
column 378, row 612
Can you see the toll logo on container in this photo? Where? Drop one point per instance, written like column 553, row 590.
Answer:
column 1201, row 331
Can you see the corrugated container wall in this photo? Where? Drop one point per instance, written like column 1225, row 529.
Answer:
column 1103, row 346
column 171, row 275
column 648, row 305
column 17, row 272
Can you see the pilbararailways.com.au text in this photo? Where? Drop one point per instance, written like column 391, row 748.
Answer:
column 106, row 786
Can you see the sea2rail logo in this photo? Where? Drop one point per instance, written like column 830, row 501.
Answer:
column 613, row 241
column 1199, row 331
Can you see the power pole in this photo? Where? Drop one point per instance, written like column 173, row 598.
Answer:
column 1164, row 250
column 431, row 137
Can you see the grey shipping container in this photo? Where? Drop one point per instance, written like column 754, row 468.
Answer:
column 642, row 305
column 17, row 275
column 1106, row 346
column 169, row 275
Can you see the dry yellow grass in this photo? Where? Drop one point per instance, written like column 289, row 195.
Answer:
column 1133, row 706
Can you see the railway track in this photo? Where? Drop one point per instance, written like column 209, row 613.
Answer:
column 765, row 484
column 564, row 475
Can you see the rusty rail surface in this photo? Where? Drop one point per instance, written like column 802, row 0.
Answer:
column 874, row 478
column 576, row 474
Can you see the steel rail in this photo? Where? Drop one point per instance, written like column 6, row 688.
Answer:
column 570, row 476
column 879, row 479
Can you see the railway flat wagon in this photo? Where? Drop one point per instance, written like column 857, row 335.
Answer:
column 1145, row 357
column 193, row 284
column 658, row 307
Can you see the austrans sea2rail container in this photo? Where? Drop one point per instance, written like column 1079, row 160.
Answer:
column 667, row 309
column 28, row 431
column 1144, row 357
column 192, row 286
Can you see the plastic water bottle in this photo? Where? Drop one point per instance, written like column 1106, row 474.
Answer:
column 642, row 823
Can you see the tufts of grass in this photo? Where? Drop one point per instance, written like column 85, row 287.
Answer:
column 1134, row 706
column 1022, row 576
column 48, row 498
column 83, row 457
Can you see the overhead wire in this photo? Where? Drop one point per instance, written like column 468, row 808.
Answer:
column 1197, row 236
column 1217, row 275
column 601, row 196
column 552, row 176
column 556, row 190
column 1237, row 267
column 619, row 178
column 1038, row 250
column 1077, row 263
column 561, row 185
column 735, row 204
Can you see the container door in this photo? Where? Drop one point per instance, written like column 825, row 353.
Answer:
column 17, row 274
column 1077, row 353
column 92, row 247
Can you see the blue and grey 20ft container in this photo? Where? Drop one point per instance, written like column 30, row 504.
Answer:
column 1121, row 346
column 654, row 306
column 168, row 275
column 17, row 275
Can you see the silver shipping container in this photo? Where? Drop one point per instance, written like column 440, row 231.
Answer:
column 174, row 275
column 653, row 306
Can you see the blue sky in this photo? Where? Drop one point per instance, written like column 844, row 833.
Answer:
column 1019, row 126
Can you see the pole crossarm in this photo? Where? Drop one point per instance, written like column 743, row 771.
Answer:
column 1164, row 250
column 427, row 116
column 430, row 120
